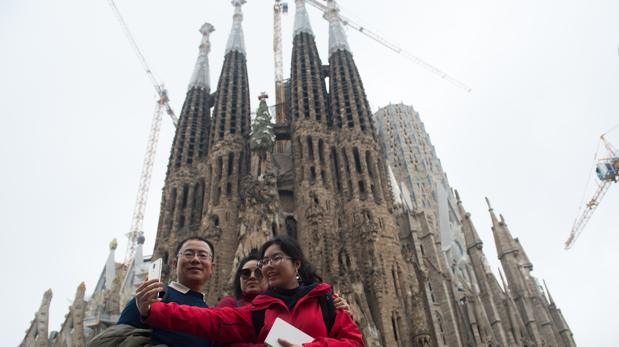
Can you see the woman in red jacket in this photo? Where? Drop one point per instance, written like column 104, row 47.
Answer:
column 294, row 296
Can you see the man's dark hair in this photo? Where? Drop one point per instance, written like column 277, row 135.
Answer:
column 253, row 255
column 197, row 238
column 291, row 248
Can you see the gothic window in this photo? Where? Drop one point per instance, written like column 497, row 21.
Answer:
column 321, row 150
column 228, row 189
column 336, row 169
column 310, row 148
column 362, row 190
column 355, row 153
column 219, row 168
column 395, row 330
column 185, row 196
column 312, row 175
column 347, row 167
column 198, row 202
column 291, row 227
column 431, row 293
column 439, row 319
column 230, row 163
column 172, row 207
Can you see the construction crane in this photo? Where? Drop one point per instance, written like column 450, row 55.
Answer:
column 163, row 103
column 278, row 9
column 607, row 172
column 392, row 46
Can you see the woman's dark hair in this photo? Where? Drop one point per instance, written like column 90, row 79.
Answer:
column 291, row 248
column 236, row 284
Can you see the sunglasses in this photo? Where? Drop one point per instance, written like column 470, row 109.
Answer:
column 247, row 273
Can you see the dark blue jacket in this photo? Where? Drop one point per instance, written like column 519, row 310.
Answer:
column 131, row 316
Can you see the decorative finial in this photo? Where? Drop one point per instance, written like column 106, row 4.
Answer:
column 141, row 239
column 337, row 36
column 236, row 40
column 206, row 29
column 113, row 244
column 201, row 73
column 457, row 196
column 502, row 219
column 301, row 19
column 263, row 96
column 488, row 202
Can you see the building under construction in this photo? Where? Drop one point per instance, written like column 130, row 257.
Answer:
column 364, row 194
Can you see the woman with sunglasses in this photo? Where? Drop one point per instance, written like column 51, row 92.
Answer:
column 293, row 295
column 248, row 283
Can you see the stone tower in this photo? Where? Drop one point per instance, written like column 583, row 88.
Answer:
column 371, row 252
column 182, row 202
column 228, row 158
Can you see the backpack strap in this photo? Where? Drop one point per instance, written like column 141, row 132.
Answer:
column 257, row 318
column 328, row 311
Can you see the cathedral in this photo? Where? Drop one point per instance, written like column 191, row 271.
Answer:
column 364, row 194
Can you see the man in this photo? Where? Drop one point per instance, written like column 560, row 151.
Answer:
column 194, row 266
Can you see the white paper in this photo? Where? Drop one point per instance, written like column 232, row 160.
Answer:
column 284, row 330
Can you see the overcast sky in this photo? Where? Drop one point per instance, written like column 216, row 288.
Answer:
column 77, row 110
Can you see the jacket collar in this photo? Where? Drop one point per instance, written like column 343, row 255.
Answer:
column 262, row 301
column 179, row 287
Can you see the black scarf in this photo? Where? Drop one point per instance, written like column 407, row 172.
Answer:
column 290, row 296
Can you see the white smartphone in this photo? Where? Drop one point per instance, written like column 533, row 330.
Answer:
column 154, row 271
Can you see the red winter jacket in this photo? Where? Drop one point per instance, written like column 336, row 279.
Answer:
column 232, row 301
column 229, row 324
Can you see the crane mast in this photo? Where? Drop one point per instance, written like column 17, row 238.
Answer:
column 608, row 173
column 395, row 48
column 278, row 9
column 163, row 103
column 141, row 200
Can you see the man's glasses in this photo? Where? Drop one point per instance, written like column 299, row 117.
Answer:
column 274, row 260
column 190, row 254
column 247, row 273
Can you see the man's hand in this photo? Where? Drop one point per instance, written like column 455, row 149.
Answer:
column 146, row 294
column 285, row 343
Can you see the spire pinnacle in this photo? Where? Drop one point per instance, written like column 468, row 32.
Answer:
column 471, row 237
column 552, row 302
column 301, row 19
column 337, row 35
column 236, row 40
column 201, row 77
column 505, row 288
column 502, row 237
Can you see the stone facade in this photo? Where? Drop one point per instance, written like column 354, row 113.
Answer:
column 369, row 203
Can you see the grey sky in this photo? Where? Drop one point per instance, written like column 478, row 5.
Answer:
column 77, row 109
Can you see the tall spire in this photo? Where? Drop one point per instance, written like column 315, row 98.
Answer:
column 471, row 237
column 110, row 265
column 337, row 35
column 552, row 302
column 201, row 77
column 502, row 238
column 236, row 40
column 301, row 19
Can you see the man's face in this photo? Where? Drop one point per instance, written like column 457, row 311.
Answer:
column 194, row 264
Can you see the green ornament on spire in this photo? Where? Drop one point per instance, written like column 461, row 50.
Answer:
column 262, row 136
